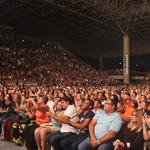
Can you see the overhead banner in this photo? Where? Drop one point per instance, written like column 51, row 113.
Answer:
column 126, row 64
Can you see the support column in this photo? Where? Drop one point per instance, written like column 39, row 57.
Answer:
column 126, row 59
column 100, row 63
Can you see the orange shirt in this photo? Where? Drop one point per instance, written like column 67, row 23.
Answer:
column 41, row 117
column 127, row 113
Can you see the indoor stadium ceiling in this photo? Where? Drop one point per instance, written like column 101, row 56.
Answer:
column 78, row 23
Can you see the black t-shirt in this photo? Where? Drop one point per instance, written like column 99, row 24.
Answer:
column 11, row 109
column 135, row 138
column 2, row 104
column 83, row 116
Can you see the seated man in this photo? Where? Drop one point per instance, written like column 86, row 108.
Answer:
column 103, row 128
column 97, row 106
column 53, row 139
column 71, row 142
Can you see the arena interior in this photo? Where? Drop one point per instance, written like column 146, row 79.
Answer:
column 74, row 74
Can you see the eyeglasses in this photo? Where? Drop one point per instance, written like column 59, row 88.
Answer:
column 108, row 103
column 141, row 101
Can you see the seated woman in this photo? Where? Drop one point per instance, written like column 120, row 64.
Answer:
column 41, row 132
column 126, row 111
column 2, row 101
column 24, row 118
column 146, row 130
column 131, row 134
column 40, row 108
column 10, row 112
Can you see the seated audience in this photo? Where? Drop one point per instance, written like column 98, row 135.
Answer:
column 55, row 73
column 40, row 108
column 41, row 132
column 146, row 130
column 66, row 130
column 71, row 142
column 103, row 128
column 131, row 135
column 10, row 111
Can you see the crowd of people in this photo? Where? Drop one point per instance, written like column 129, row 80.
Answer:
column 76, row 118
column 44, row 62
column 72, row 107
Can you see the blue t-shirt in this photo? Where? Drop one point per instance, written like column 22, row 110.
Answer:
column 106, row 123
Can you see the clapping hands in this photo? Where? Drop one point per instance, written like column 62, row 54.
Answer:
column 146, row 120
column 117, row 144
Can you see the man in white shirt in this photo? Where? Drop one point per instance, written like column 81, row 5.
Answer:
column 70, row 112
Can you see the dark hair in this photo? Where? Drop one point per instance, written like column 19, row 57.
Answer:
column 91, row 103
column 127, row 93
column 44, row 98
column 135, row 93
column 10, row 98
column 121, row 102
column 119, row 92
column 115, row 101
column 147, row 112
column 34, row 98
column 148, row 101
column 68, row 99
column 99, row 101
column 135, row 104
